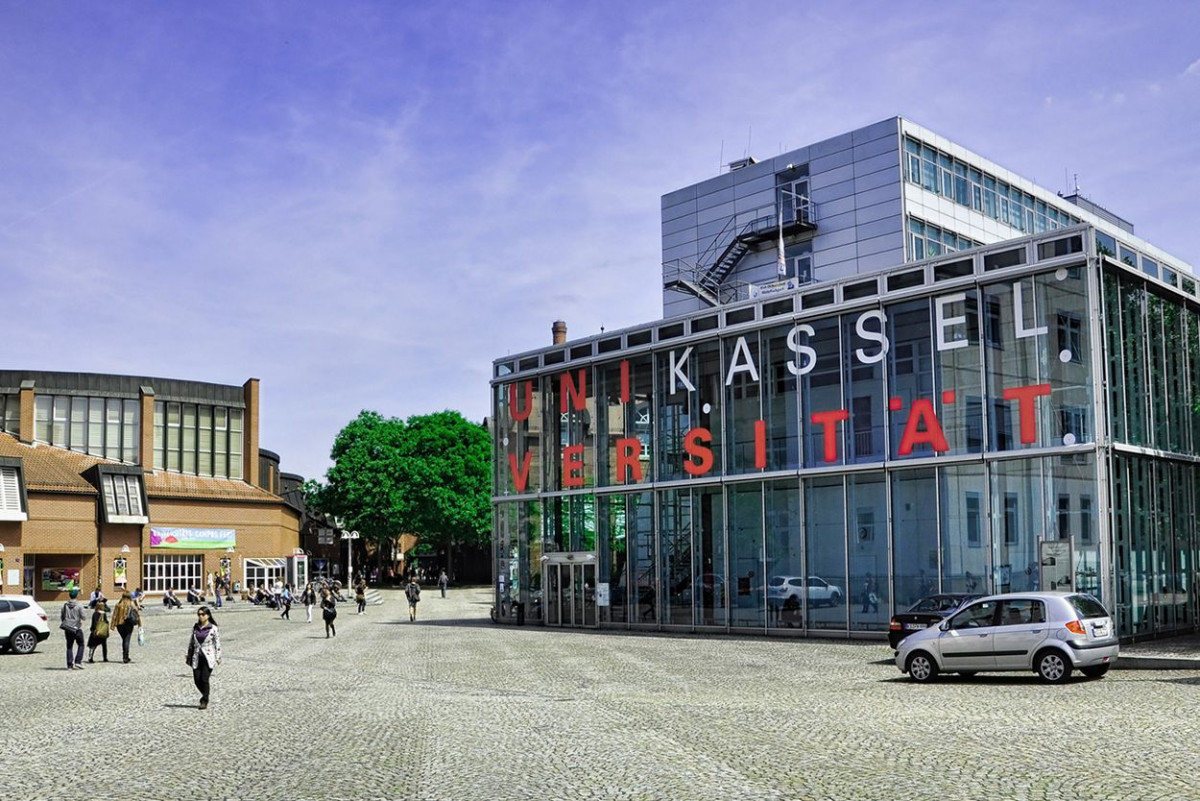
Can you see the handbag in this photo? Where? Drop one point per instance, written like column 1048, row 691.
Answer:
column 101, row 628
column 141, row 636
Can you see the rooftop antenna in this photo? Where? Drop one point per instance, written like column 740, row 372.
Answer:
column 721, row 159
column 749, row 139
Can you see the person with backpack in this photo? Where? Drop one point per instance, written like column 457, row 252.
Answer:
column 72, row 627
column 413, row 593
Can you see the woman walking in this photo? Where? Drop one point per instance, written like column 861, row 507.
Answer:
column 126, row 618
column 329, row 613
column 204, row 651
column 308, row 598
column 98, row 636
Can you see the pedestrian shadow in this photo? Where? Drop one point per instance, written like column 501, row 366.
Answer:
column 179, row 706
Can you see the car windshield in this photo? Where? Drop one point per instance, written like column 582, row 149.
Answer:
column 1088, row 607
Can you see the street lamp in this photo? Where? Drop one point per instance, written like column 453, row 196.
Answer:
column 349, row 537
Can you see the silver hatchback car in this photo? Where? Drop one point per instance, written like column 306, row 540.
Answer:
column 1048, row 633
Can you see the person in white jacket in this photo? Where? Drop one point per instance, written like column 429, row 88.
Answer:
column 204, row 651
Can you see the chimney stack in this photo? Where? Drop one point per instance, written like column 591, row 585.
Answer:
column 559, row 329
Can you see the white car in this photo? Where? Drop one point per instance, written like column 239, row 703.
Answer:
column 1047, row 633
column 22, row 624
column 818, row 591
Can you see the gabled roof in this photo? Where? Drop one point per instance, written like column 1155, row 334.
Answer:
column 50, row 469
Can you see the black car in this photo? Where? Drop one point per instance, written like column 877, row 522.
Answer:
column 924, row 613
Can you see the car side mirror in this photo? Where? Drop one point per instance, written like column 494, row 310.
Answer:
column 944, row 625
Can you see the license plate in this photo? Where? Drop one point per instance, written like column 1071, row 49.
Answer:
column 914, row 626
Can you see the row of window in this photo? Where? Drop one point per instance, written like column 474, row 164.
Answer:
column 927, row 240
column 180, row 571
column 106, row 427
column 968, row 186
column 198, row 439
column 1109, row 246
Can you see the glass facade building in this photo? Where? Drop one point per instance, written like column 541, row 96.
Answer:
column 1014, row 416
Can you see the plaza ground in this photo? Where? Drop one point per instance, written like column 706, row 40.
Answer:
column 453, row 707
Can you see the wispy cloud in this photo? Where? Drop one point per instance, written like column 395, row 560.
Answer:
column 364, row 205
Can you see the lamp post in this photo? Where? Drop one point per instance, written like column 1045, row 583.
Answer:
column 349, row 537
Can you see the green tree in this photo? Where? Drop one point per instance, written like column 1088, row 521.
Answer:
column 362, row 486
column 446, row 476
column 429, row 476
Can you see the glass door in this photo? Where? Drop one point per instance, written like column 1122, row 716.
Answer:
column 571, row 590
column 553, row 596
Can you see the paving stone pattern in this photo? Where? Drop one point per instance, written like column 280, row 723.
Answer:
column 453, row 707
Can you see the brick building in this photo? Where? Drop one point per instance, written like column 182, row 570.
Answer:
column 124, row 481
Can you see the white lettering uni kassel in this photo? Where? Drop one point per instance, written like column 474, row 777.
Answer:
column 950, row 333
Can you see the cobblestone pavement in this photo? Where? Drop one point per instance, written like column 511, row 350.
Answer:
column 453, row 707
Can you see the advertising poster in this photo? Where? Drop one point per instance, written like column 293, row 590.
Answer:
column 60, row 579
column 209, row 539
column 119, row 572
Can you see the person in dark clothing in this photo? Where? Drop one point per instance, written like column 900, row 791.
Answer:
column 72, row 627
column 360, row 595
column 125, row 619
column 98, row 636
column 329, row 613
column 413, row 593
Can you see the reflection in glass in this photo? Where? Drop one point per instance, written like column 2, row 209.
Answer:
column 710, row 586
column 825, row 539
column 747, row 579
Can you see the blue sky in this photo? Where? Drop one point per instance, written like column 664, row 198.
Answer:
column 364, row 204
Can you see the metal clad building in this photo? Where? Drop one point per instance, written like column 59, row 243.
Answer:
column 886, row 367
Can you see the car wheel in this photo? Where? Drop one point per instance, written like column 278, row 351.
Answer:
column 23, row 641
column 1095, row 671
column 1052, row 666
column 922, row 668
column 835, row 599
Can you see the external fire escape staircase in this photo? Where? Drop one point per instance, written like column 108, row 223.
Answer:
column 741, row 233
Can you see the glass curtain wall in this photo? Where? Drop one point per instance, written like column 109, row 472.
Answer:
column 785, row 552
column 867, row 512
column 675, row 538
column 711, row 586
column 747, row 561
column 825, row 546
column 916, row 565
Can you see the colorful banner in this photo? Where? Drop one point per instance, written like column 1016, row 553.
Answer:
column 211, row 539
column 119, row 575
column 60, row 579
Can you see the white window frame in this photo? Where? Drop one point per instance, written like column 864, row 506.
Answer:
column 263, row 570
column 174, row 570
column 123, row 498
column 11, row 507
